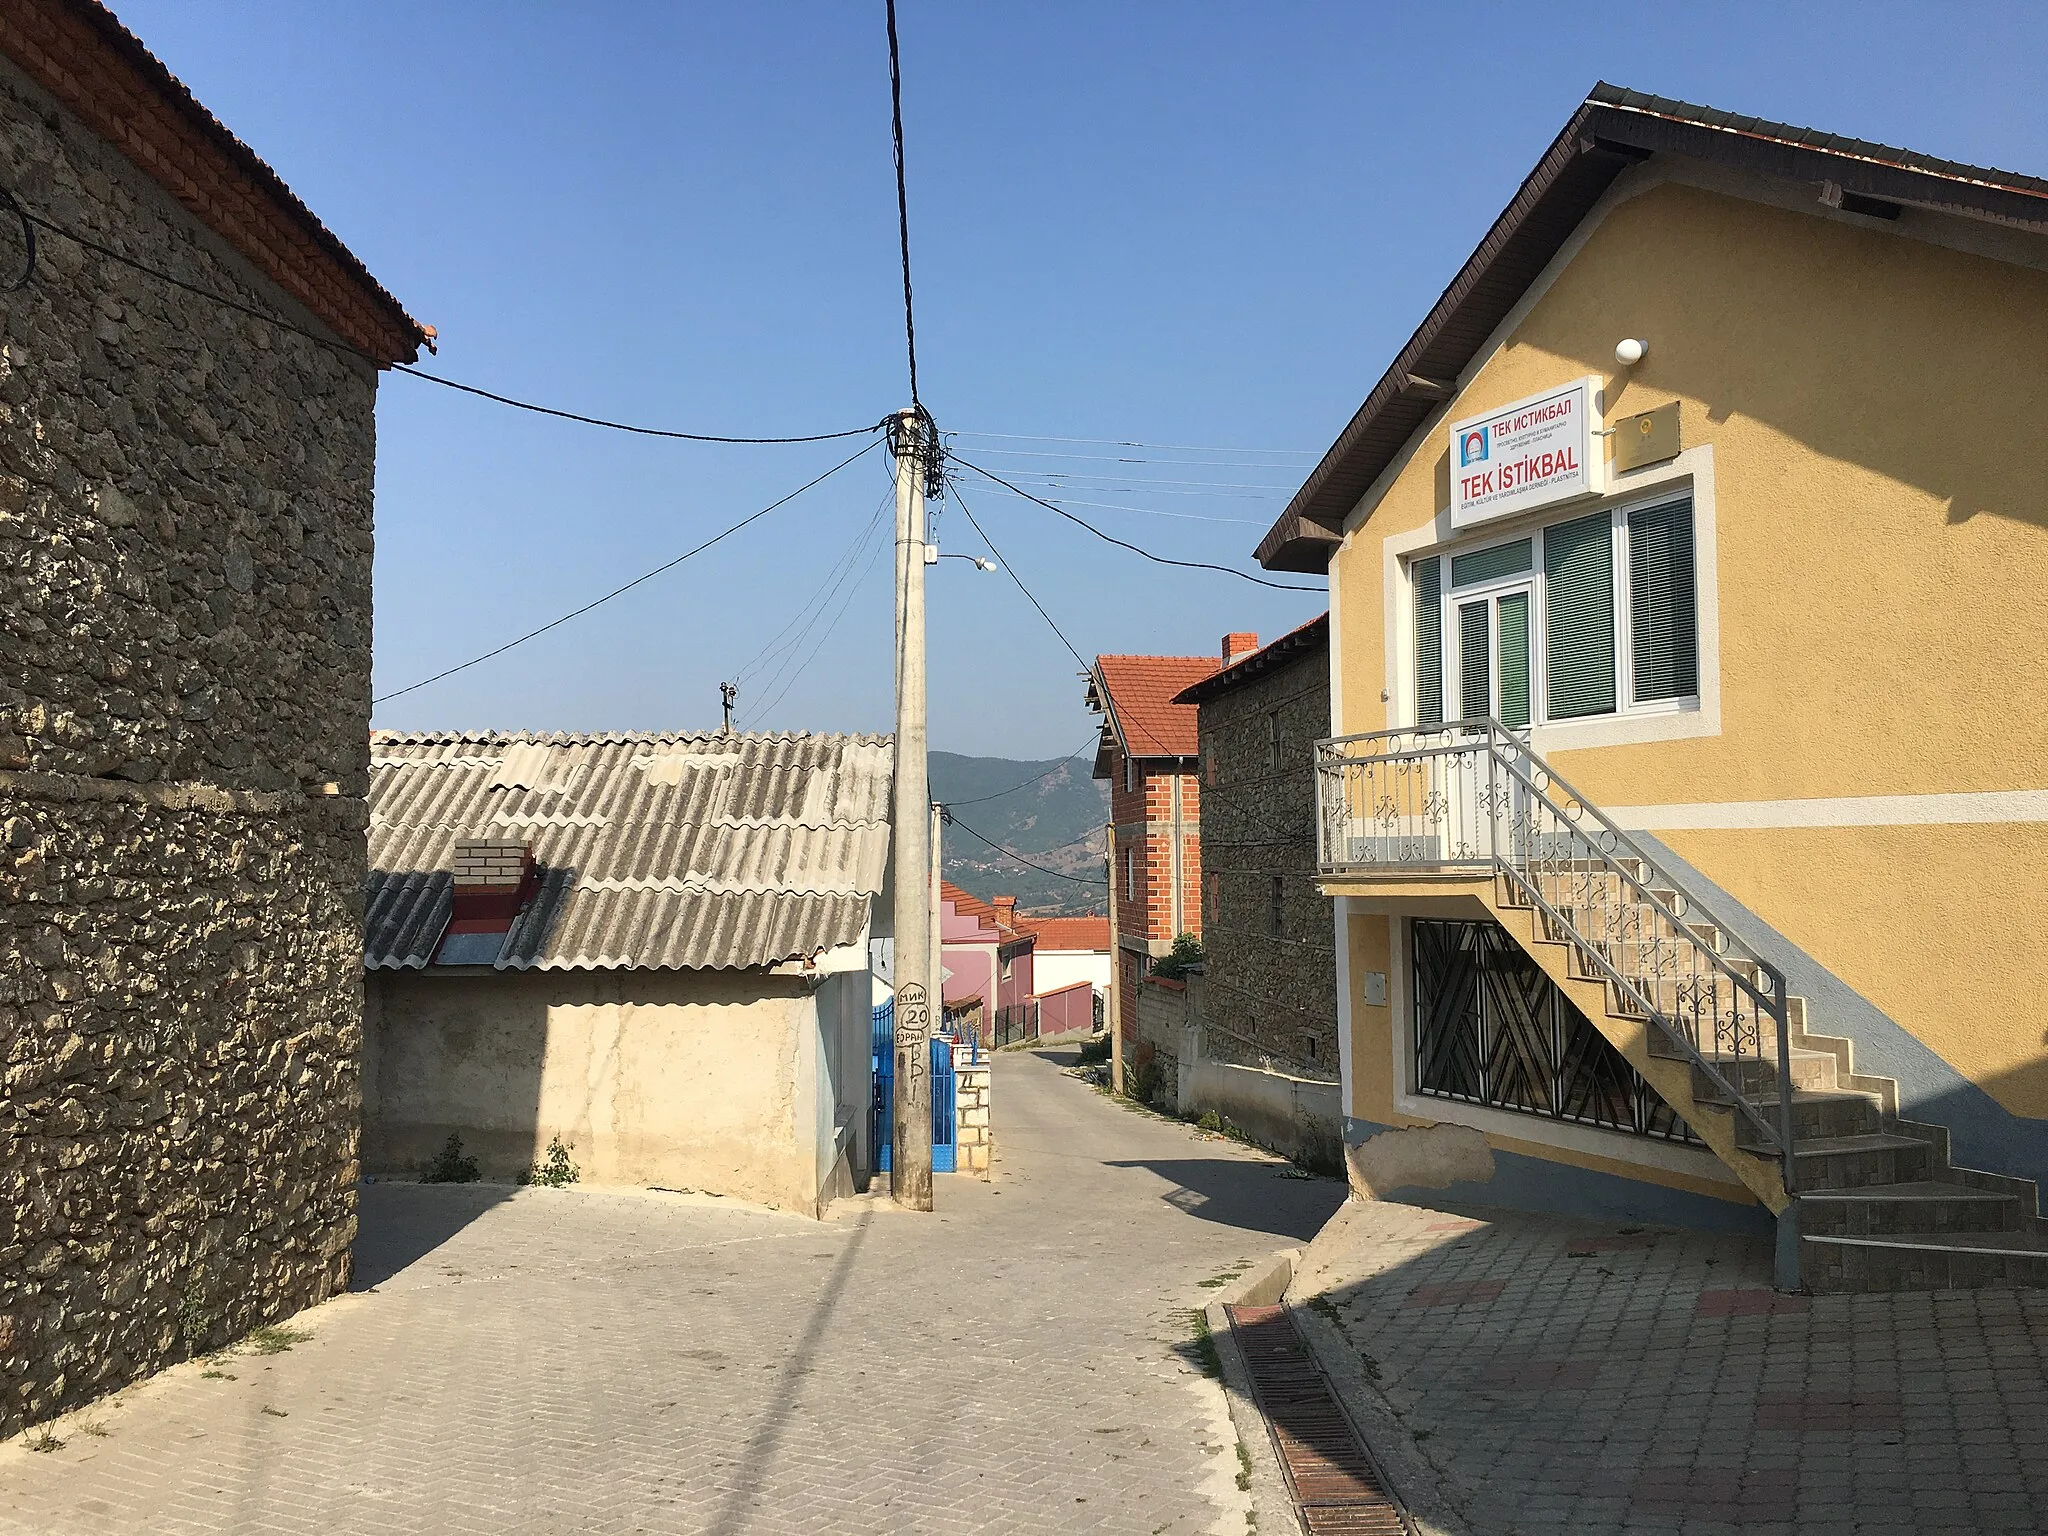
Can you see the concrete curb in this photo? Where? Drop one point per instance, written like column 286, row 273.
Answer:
column 1264, row 1283
column 1410, row 1476
column 1271, row 1504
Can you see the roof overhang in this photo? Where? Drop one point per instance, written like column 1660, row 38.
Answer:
column 1611, row 131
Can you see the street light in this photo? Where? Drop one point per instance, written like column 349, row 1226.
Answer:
column 980, row 564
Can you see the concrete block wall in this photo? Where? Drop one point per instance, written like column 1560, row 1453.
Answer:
column 974, row 1139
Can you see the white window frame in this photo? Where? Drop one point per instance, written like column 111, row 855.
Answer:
column 1632, row 720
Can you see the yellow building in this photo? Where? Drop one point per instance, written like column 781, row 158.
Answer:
column 1689, row 591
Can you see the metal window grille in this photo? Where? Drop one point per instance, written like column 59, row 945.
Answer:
column 1491, row 1029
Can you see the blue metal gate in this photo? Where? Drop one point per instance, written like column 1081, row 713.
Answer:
column 880, row 1115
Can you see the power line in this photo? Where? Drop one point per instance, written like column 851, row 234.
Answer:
column 1112, row 458
column 827, row 590
column 1055, row 768
column 831, row 624
column 1185, row 517
column 1121, row 442
column 334, row 344
column 902, row 200
column 1110, row 538
column 629, row 586
column 1019, row 858
column 991, row 543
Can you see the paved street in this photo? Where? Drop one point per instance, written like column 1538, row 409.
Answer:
column 1557, row 1377
column 547, row 1361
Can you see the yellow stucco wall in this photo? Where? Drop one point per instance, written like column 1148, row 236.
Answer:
column 692, row 1081
column 1882, row 550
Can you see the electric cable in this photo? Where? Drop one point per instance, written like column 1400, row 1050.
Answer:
column 1121, row 442
column 1093, row 736
column 1019, row 858
column 1111, row 458
column 37, row 221
column 1110, row 538
column 636, row 581
column 853, row 590
column 1184, row 517
column 991, row 543
column 902, row 202
column 827, row 589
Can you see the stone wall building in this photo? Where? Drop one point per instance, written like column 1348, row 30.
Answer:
column 185, row 535
column 1268, row 956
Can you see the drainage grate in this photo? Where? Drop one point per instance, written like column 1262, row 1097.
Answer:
column 1330, row 1473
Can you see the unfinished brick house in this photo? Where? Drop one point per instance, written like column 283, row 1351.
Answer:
column 1148, row 754
column 185, row 535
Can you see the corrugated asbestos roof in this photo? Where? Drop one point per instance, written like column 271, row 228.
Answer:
column 684, row 852
column 1613, row 129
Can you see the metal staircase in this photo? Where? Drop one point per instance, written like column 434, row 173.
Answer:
column 1864, row 1199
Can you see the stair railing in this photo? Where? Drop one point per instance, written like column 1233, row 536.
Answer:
column 1470, row 797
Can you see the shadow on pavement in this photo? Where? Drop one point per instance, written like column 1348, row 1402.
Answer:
column 1255, row 1197
column 399, row 1224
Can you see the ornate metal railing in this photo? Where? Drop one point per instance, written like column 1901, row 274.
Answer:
column 1469, row 797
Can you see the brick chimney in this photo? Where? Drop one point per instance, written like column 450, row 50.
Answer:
column 1237, row 647
column 494, row 877
column 1006, row 910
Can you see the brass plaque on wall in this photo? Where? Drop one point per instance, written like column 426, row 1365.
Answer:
column 1649, row 438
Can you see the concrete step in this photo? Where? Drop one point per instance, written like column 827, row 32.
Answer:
column 1951, row 1261
column 1826, row 1112
column 1812, row 1071
column 1924, row 1207
column 1858, row 1162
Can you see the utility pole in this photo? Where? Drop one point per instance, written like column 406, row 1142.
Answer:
column 1116, row 973
column 728, row 693
column 910, row 1177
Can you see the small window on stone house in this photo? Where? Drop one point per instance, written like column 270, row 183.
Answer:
column 1309, row 1046
column 1209, row 770
column 1276, row 914
column 1273, row 738
column 1213, row 894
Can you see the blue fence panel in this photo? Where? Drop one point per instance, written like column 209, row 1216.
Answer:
column 880, row 1117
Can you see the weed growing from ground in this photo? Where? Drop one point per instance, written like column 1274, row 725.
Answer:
column 449, row 1166
column 93, row 1428
column 553, row 1170
column 1205, row 1345
column 195, row 1322
column 42, row 1440
column 1244, row 1469
column 1092, row 1052
column 274, row 1339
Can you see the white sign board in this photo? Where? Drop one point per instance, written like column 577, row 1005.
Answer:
column 1528, row 454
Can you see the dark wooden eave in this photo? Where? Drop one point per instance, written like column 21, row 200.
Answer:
column 1613, row 129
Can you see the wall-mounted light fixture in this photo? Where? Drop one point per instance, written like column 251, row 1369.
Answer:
column 1630, row 352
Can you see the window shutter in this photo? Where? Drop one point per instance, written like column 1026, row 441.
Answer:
column 1663, row 618
column 1429, row 642
column 1578, row 586
column 1514, row 659
column 1485, row 564
column 1475, row 667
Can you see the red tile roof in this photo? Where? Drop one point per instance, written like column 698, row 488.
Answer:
column 1070, row 933
column 1141, row 688
column 970, row 905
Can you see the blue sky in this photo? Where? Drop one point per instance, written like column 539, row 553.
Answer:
column 1190, row 224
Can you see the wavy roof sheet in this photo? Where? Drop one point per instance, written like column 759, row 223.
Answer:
column 663, row 851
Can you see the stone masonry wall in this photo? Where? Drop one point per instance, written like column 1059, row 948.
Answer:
column 1270, row 969
column 185, row 541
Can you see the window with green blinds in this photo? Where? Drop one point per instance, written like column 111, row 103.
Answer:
column 1475, row 667
column 1429, row 642
column 1578, row 605
column 1513, row 611
column 1485, row 564
column 1663, row 618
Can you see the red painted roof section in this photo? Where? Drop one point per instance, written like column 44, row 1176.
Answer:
column 1141, row 690
column 971, row 905
column 1071, row 932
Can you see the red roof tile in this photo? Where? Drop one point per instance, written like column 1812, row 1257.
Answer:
column 1069, row 933
column 1141, row 688
column 970, row 905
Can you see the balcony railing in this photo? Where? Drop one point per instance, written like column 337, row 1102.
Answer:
column 1469, row 798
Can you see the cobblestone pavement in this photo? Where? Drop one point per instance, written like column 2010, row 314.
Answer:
column 553, row 1361
column 1593, row 1379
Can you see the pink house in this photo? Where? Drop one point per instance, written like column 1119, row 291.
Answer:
column 987, row 956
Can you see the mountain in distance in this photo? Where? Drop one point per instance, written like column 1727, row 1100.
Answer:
column 1049, row 811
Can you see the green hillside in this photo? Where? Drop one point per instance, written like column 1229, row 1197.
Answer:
column 1056, row 819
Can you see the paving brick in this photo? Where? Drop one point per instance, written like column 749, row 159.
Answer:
column 555, row 1361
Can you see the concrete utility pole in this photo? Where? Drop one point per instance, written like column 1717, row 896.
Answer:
column 1116, row 974
column 910, row 1177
